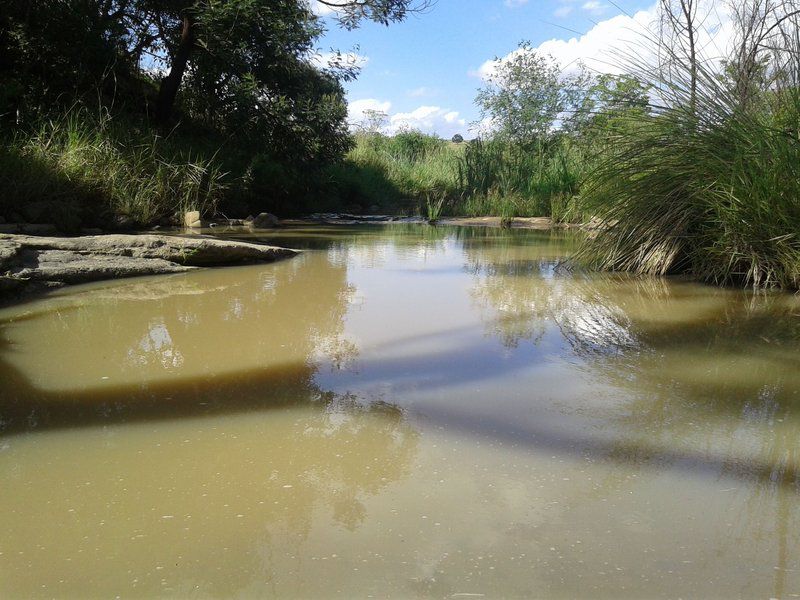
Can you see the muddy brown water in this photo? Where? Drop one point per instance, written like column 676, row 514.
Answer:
column 402, row 411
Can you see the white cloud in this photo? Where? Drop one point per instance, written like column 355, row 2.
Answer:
column 608, row 46
column 356, row 109
column 428, row 119
column 594, row 7
column 563, row 11
column 421, row 91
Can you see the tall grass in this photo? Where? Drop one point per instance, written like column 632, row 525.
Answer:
column 474, row 179
column 102, row 167
column 417, row 166
column 704, row 186
column 500, row 178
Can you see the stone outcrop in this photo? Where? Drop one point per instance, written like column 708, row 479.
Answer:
column 265, row 221
column 28, row 263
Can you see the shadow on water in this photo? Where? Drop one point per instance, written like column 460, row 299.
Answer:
column 26, row 408
column 611, row 330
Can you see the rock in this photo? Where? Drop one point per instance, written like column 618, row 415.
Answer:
column 265, row 221
column 53, row 261
column 192, row 219
column 9, row 228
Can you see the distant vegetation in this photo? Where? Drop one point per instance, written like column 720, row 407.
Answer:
column 689, row 164
column 548, row 131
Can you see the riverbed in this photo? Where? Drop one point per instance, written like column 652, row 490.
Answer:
column 401, row 411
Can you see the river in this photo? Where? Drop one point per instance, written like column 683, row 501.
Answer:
column 401, row 411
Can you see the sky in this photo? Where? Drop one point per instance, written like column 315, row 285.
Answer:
column 425, row 71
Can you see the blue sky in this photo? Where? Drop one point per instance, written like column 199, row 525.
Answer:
column 435, row 60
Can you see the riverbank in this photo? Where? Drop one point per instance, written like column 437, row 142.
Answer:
column 541, row 223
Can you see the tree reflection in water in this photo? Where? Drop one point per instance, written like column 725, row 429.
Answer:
column 712, row 373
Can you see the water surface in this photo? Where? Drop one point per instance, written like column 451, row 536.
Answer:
column 401, row 412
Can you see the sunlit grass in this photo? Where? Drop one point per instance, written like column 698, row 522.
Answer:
column 84, row 163
column 713, row 192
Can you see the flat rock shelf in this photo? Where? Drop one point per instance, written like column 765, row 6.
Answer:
column 32, row 263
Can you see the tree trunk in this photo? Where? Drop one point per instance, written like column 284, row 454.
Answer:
column 689, row 12
column 168, row 90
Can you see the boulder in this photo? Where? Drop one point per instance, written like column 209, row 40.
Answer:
column 192, row 219
column 265, row 221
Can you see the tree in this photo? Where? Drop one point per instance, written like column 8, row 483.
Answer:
column 185, row 29
column 241, row 67
column 373, row 122
column 351, row 12
column 457, row 139
column 679, row 33
column 525, row 95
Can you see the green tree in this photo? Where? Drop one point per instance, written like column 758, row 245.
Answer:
column 608, row 104
column 525, row 94
column 190, row 33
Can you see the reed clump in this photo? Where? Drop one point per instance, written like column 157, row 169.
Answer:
column 707, row 181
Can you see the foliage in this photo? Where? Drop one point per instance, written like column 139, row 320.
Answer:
column 707, row 181
column 82, row 169
column 526, row 93
column 476, row 178
column 235, row 73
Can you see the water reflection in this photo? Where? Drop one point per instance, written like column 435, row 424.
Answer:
column 678, row 353
column 709, row 380
column 204, row 452
column 432, row 400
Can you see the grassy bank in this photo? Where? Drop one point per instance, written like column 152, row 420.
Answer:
column 425, row 174
column 83, row 170
column 714, row 193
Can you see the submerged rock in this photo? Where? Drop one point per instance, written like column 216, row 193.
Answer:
column 28, row 263
column 265, row 221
